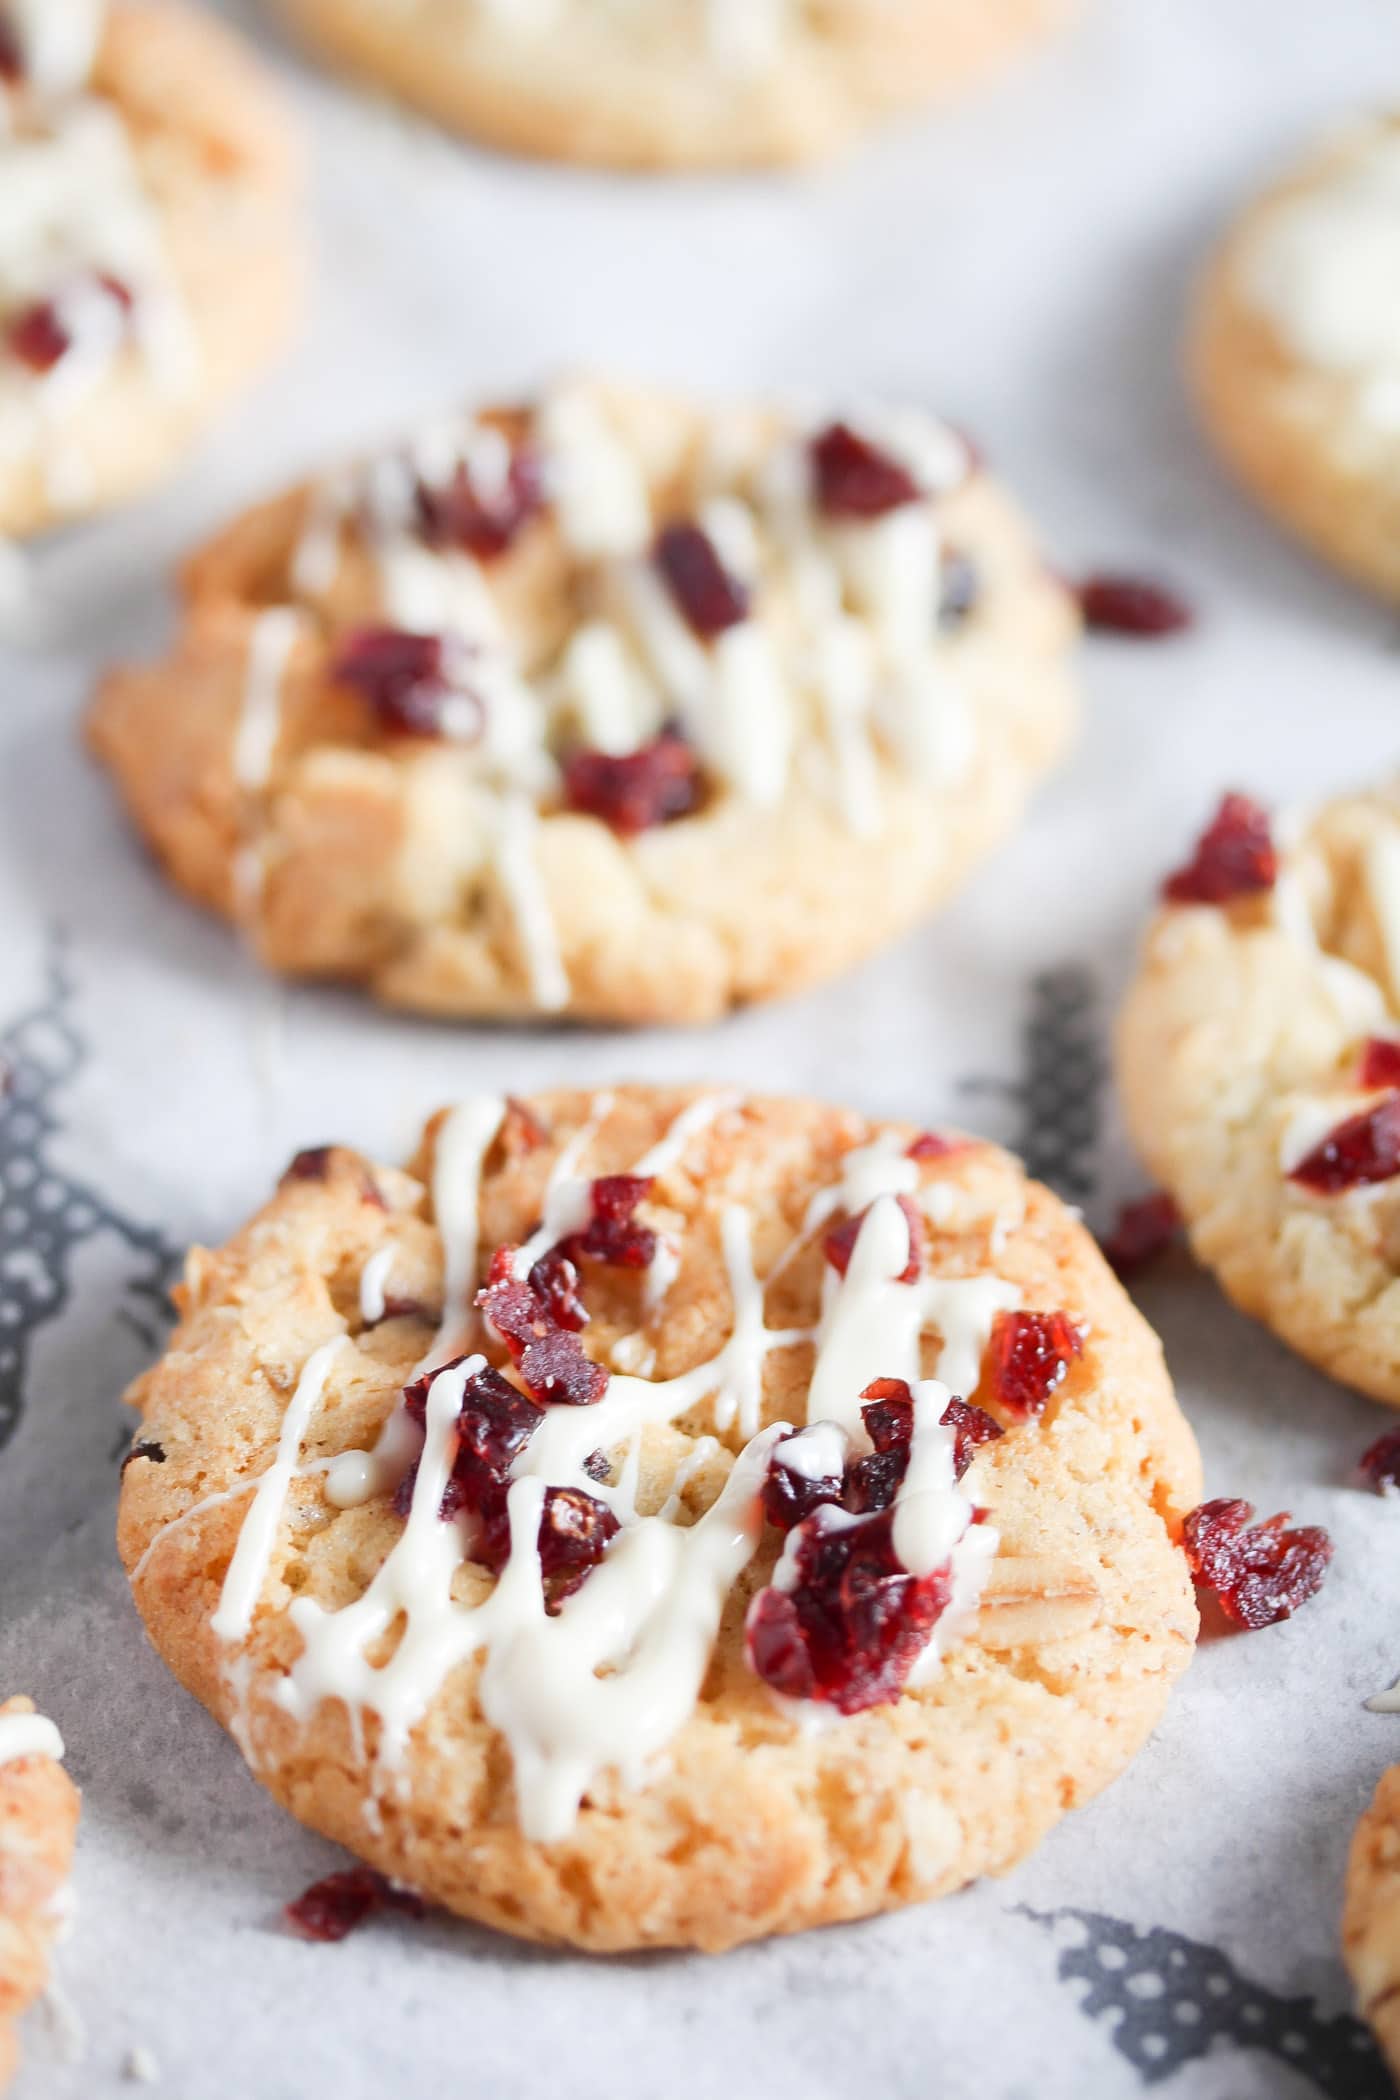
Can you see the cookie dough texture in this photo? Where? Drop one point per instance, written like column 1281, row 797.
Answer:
column 1237, row 1048
column 1294, row 351
column 372, row 849
column 671, row 83
column 1371, row 1915
column 747, row 1827
column 38, row 1824
column 215, row 152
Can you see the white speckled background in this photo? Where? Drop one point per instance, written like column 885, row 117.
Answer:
column 1021, row 262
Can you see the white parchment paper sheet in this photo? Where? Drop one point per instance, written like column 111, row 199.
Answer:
column 1022, row 263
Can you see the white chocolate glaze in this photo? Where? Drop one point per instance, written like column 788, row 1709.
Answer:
column 647, row 1615
column 28, row 1735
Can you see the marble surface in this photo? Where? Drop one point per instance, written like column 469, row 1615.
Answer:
column 1023, row 263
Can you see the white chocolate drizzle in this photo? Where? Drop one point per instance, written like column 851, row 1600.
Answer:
column 603, row 1685
column 28, row 1735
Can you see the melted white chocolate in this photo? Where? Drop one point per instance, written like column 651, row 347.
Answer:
column 28, row 1735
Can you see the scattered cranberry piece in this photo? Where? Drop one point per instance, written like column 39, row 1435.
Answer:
column 639, row 789
column 1143, row 1230
column 612, row 1234
column 485, row 524
column 972, row 1427
column 855, row 479
column 1028, row 1356
column 1234, row 857
column 495, row 1424
column 1362, row 1150
column 855, row 1623
column 331, row 1909
column 1132, row 605
column 38, row 338
column 1380, row 1062
column 554, row 1279
column 1380, row 1463
column 549, row 1358
column 146, row 1448
column 708, row 597
column 960, row 587
column 930, row 1144
column 575, row 1531
column 873, row 1482
column 598, row 1467
column 11, row 52
column 839, row 1244
column 1260, row 1573
column 405, row 679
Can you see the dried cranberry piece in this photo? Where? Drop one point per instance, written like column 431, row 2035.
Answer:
column 1234, row 857
column 839, row 1244
column 484, row 523
column 789, row 1497
column 1380, row 1463
column 493, row 1427
column 11, row 52
column 639, row 789
column 555, row 1280
column 931, row 1144
column 1380, row 1062
column 313, row 1164
column 1362, row 1150
column 960, row 587
column 1143, row 1230
column 598, row 1466
column 855, row 479
column 1132, row 605
column 405, row 679
column 146, row 1448
column 612, row 1234
column 1028, row 1356
column 575, row 1531
column 38, row 338
column 332, row 1908
column 548, row 1357
column 709, row 598
column 1260, row 1573
column 856, row 1621
column 972, row 1427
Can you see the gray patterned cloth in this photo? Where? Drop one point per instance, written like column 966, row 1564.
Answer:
column 1023, row 263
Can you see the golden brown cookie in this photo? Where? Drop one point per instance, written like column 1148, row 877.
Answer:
column 149, row 254
column 1371, row 1915
column 611, row 706
column 1295, row 350
column 1259, row 1062
column 38, row 1824
column 568, row 1632
column 671, row 83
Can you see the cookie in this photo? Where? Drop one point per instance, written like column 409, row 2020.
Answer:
column 1371, row 1915
column 149, row 262
column 613, row 706
column 1295, row 351
column 38, row 1823
column 662, row 1518
column 671, row 83
column 1258, row 1058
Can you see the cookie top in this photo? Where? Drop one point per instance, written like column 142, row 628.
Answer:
column 670, row 83
column 1259, row 1063
column 1371, row 1915
column 832, row 1558
column 146, row 261
column 612, row 705
column 38, row 1823
column 1296, row 348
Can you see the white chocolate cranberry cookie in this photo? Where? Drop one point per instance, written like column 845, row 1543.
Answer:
column 1371, row 1915
column 611, row 706
column 1295, row 350
column 665, row 1518
column 38, row 1823
column 148, row 261
column 1259, row 1063
column 671, row 83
